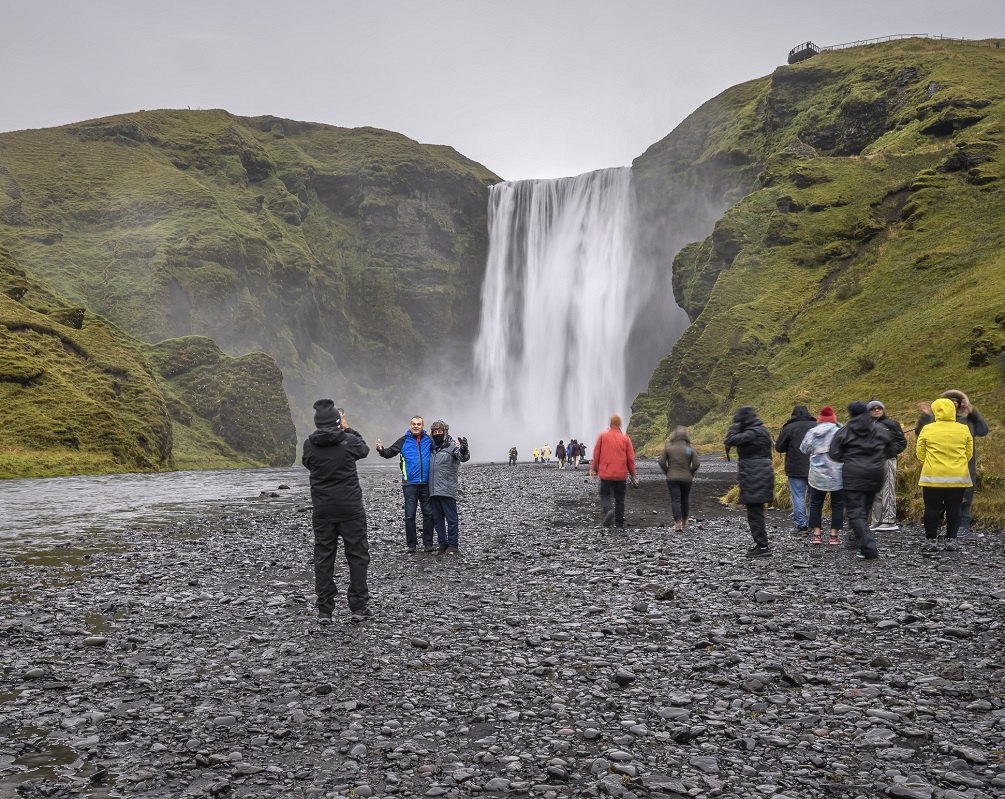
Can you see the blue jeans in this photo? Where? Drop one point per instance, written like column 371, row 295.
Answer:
column 417, row 494
column 797, row 488
column 445, row 520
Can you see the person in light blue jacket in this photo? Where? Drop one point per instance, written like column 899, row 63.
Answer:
column 824, row 476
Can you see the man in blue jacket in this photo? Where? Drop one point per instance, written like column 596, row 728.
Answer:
column 412, row 450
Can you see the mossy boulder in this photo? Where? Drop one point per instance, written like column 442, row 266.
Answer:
column 242, row 398
column 77, row 395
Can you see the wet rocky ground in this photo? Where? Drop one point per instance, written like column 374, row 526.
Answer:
column 550, row 658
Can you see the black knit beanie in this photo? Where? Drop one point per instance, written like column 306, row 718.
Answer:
column 856, row 408
column 326, row 414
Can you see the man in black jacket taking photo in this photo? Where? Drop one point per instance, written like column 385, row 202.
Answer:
column 330, row 454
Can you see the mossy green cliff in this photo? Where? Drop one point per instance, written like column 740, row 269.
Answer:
column 865, row 257
column 348, row 255
column 78, row 396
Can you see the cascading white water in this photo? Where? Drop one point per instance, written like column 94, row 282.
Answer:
column 556, row 309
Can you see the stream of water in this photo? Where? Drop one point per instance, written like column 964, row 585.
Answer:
column 58, row 510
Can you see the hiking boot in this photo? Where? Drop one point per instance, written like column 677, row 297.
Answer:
column 363, row 614
column 862, row 556
column 410, row 550
column 963, row 532
column 428, row 548
column 885, row 528
column 930, row 545
column 441, row 549
column 609, row 518
column 450, row 551
column 758, row 552
column 951, row 545
column 324, row 619
column 802, row 529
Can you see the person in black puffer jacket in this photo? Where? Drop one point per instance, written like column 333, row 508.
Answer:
column 330, row 454
column 863, row 448
column 797, row 463
column 756, row 476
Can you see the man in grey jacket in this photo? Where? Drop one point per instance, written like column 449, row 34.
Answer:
column 884, row 507
column 445, row 459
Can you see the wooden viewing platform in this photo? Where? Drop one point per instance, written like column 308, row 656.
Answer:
column 807, row 49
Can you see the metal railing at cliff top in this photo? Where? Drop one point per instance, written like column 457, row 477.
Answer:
column 807, row 49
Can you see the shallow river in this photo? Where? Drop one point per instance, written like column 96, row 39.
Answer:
column 62, row 510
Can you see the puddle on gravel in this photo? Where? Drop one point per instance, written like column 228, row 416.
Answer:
column 55, row 763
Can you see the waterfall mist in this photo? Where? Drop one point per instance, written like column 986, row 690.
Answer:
column 557, row 310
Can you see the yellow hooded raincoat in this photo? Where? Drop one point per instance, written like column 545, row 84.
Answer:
column 944, row 448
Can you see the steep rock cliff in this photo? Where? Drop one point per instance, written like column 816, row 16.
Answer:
column 865, row 258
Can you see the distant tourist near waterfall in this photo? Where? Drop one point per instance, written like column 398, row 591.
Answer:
column 557, row 309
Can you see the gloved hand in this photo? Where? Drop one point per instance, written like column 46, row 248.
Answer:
column 463, row 441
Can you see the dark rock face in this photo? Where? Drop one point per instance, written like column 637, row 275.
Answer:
column 542, row 669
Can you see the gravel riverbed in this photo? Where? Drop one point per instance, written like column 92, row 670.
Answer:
column 550, row 658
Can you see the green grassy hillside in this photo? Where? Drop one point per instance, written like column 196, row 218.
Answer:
column 867, row 258
column 77, row 395
column 348, row 255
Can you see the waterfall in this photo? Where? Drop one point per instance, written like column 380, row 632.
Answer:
column 558, row 305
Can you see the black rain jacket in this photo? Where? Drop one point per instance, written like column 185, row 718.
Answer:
column 330, row 454
column 753, row 447
column 797, row 463
column 863, row 448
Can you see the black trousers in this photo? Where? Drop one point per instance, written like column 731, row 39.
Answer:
column 615, row 489
column 680, row 492
column 943, row 500
column 755, row 518
column 856, row 506
column 357, row 555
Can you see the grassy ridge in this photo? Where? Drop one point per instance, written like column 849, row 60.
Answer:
column 348, row 255
column 867, row 259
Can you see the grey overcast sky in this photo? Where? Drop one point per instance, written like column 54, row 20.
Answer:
column 530, row 88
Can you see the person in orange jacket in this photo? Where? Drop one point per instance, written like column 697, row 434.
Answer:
column 614, row 461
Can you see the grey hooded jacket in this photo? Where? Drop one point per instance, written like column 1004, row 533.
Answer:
column 444, row 464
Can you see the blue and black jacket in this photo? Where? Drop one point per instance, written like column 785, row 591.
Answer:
column 413, row 454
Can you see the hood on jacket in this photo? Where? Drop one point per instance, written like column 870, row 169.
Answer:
column 800, row 413
column 944, row 410
column 746, row 416
column 681, row 434
column 956, row 395
column 330, row 436
column 861, row 423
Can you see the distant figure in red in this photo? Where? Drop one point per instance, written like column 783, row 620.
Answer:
column 613, row 460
